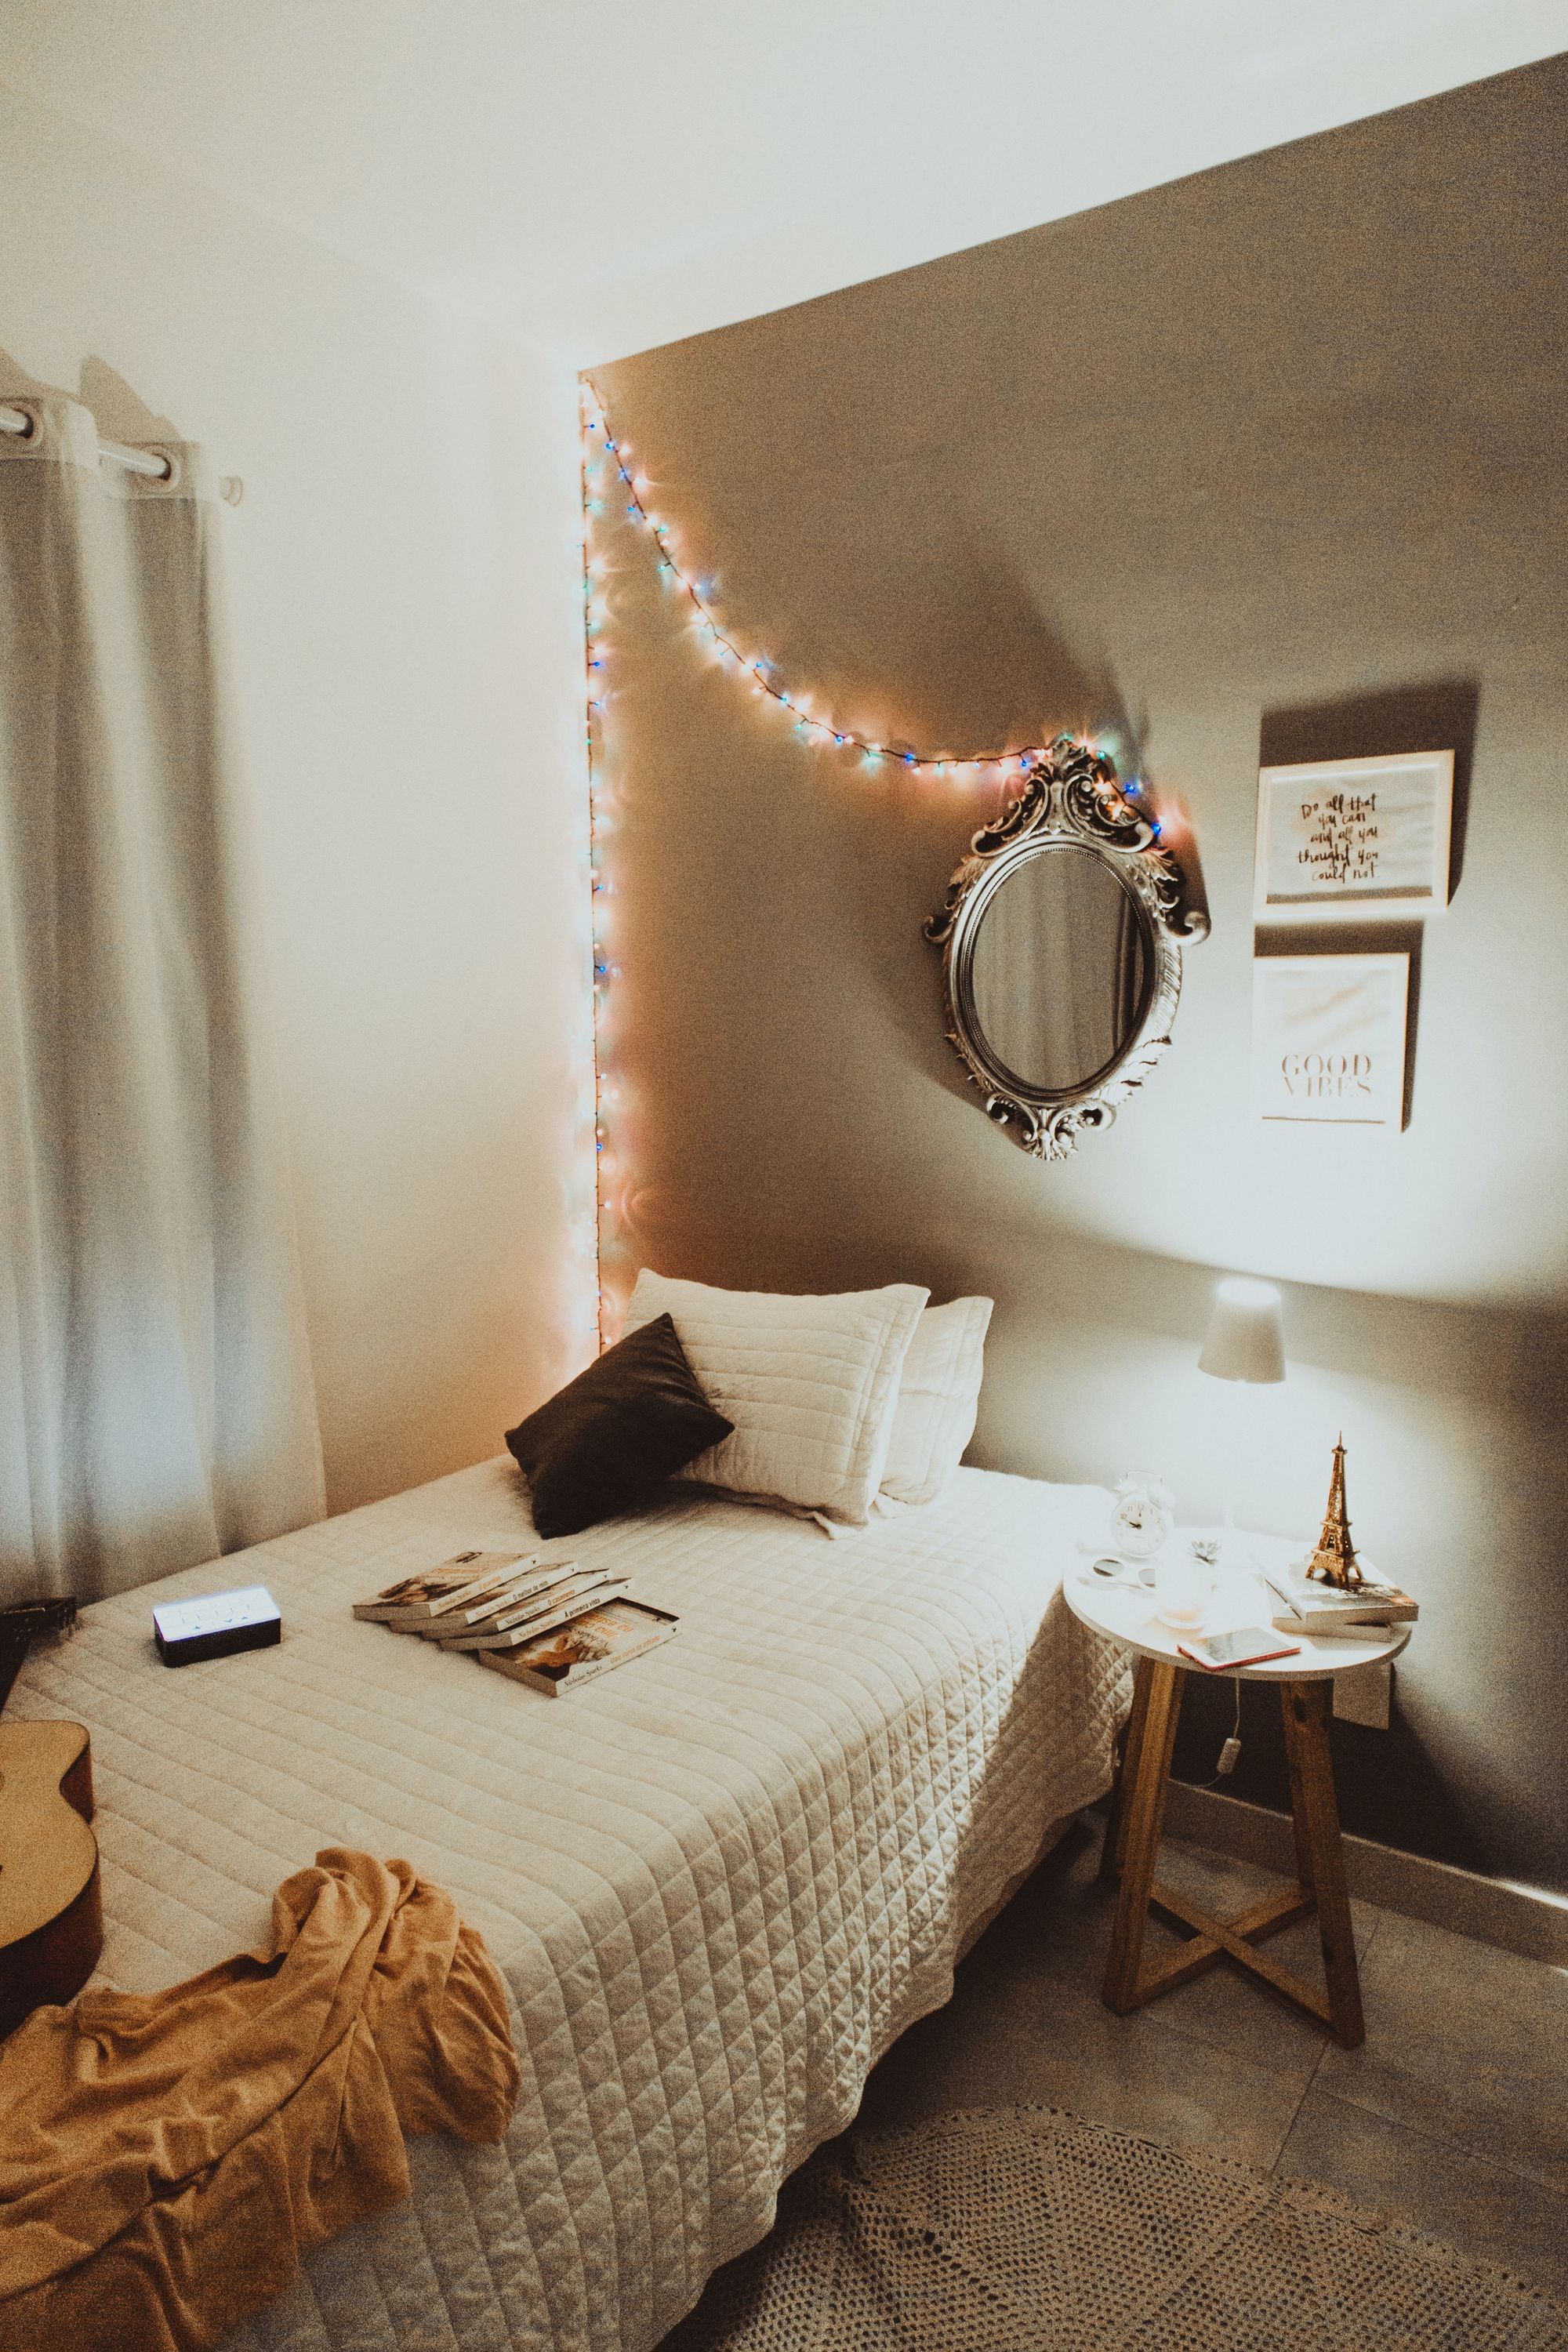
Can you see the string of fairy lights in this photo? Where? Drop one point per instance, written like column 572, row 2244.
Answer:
column 607, row 461
column 612, row 481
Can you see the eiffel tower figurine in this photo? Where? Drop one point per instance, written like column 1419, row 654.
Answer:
column 1334, row 1561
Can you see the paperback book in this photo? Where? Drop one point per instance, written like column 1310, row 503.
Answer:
column 590, row 1645
column 515, row 1595
column 418, row 1600
column 545, row 1623
column 1357, row 1612
column 557, row 1608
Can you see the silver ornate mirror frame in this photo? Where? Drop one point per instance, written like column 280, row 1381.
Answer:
column 1069, row 795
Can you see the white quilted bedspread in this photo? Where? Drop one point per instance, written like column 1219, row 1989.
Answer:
column 719, row 1879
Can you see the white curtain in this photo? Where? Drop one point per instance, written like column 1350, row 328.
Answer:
column 156, row 1403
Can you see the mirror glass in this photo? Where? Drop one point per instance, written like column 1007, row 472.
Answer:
column 1059, row 969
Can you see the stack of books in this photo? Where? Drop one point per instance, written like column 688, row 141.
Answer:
column 1356, row 1612
column 546, row 1623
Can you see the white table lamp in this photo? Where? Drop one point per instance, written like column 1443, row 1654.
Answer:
column 1245, row 1341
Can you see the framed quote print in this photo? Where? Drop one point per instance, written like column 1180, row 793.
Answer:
column 1328, row 1038
column 1338, row 839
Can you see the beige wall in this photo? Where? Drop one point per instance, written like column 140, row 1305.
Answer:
column 406, row 621
column 1266, row 463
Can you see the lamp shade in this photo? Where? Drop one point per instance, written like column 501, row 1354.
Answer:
column 1245, row 1341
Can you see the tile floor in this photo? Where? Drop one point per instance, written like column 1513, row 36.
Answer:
column 1453, row 2114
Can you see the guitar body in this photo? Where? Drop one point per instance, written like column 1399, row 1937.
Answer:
column 51, row 1913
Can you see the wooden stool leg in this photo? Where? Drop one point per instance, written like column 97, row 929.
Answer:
column 1304, row 1872
column 1145, row 1810
column 1110, row 1852
column 1319, row 1854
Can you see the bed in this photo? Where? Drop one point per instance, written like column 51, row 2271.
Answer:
column 720, row 1881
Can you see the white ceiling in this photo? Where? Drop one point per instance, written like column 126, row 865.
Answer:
column 604, row 174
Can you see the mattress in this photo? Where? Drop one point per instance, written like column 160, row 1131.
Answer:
column 720, row 1881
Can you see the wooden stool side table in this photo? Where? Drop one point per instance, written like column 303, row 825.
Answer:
column 1138, row 1809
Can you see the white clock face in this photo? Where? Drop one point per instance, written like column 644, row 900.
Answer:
column 1140, row 1526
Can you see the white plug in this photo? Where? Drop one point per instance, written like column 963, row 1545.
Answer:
column 1228, row 1755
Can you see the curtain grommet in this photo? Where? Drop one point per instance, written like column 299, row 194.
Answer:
column 35, row 429
column 159, row 483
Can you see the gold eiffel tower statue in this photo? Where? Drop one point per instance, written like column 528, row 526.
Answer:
column 1334, row 1561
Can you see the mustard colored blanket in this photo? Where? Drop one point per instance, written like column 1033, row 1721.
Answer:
column 165, row 2160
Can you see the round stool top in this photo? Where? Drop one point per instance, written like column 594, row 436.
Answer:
column 1124, row 1609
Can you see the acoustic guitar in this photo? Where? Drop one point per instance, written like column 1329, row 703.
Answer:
column 51, row 1912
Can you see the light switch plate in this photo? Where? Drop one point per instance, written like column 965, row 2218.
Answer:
column 1364, row 1693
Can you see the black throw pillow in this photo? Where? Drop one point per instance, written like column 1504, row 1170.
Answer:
column 609, row 1438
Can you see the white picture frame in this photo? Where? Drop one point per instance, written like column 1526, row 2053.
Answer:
column 1329, row 1038
column 1354, row 840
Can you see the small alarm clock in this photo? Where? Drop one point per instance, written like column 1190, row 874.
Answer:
column 1143, row 1517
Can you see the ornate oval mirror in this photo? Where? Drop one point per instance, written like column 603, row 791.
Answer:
column 1062, row 960
column 1058, row 971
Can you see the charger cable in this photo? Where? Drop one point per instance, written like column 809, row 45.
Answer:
column 1232, row 1748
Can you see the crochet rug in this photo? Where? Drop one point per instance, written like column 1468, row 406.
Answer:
column 1004, row 2230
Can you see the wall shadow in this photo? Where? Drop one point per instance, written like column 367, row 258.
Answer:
column 122, row 413
column 118, row 409
column 897, row 872
column 17, row 378
column 1379, row 1775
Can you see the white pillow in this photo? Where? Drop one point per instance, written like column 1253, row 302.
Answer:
column 810, row 1384
column 939, row 1397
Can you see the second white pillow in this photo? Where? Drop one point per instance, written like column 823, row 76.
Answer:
column 809, row 1382
column 938, row 1398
